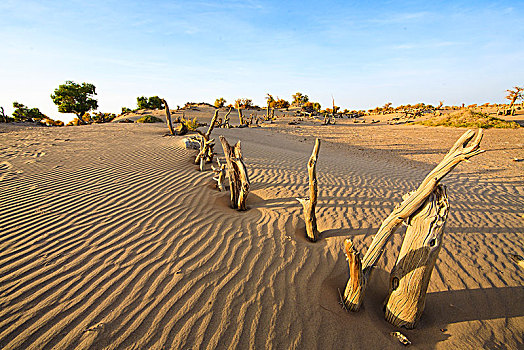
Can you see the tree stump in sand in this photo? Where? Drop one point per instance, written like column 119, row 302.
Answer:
column 355, row 289
column 240, row 116
column 410, row 277
column 238, row 178
column 206, row 145
column 310, row 203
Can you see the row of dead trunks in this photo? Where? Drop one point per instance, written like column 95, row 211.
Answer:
column 424, row 211
column 234, row 168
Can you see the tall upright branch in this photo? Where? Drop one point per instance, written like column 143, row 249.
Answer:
column 310, row 203
column 168, row 118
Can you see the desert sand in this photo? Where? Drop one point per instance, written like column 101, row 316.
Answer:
column 110, row 238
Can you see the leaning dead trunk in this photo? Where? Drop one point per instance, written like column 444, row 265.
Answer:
column 206, row 145
column 310, row 203
column 238, row 178
column 459, row 152
column 410, row 277
column 168, row 118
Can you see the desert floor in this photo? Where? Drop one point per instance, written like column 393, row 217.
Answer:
column 110, row 237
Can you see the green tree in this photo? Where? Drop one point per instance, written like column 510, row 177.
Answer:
column 142, row 102
column 75, row 98
column 26, row 114
column 153, row 102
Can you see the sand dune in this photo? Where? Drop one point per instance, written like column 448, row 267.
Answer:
column 111, row 238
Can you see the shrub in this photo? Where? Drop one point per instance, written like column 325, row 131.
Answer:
column 468, row 119
column 103, row 117
column 126, row 110
column 50, row 122
column 26, row 114
column 149, row 119
column 191, row 125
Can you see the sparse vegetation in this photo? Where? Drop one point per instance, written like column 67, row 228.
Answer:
column 26, row 114
column 101, row 117
column 153, row 102
column 278, row 103
column 126, row 110
column 191, row 124
column 299, row 99
column 468, row 119
column 149, row 119
column 220, row 102
column 243, row 103
column 75, row 98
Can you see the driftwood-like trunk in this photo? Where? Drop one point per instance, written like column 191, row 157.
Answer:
column 240, row 116
column 410, row 277
column 459, row 152
column 238, row 178
column 168, row 118
column 310, row 203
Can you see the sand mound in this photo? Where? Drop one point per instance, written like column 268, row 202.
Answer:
column 111, row 238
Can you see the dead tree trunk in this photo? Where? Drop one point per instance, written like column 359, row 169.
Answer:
column 310, row 203
column 226, row 119
column 238, row 178
column 240, row 117
column 206, row 145
column 410, row 277
column 459, row 152
column 168, row 118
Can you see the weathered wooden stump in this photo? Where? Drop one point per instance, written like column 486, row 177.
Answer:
column 310, row 203
column 238, row 178
column 411, row 203
column 410, row 277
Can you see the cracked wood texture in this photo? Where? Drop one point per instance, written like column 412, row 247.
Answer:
column 410, row 276
column 458, row 153
column 238, row 177
column 310, row 203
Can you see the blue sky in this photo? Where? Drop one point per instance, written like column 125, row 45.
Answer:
column 363, row 53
